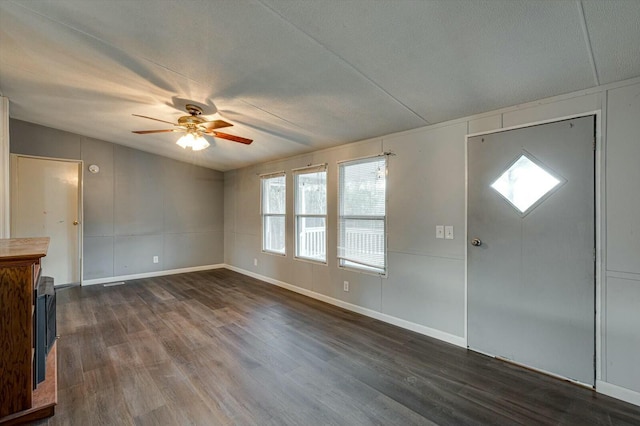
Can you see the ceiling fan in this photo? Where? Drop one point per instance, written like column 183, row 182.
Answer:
column 195, row 127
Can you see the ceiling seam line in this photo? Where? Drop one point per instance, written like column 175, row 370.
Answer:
column 587, row 39
column 273, row 115
column 353, row 67
column 282, row 119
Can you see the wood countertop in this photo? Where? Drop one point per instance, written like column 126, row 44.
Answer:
column 23, row 248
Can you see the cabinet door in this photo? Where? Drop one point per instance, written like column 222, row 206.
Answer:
column 16, row 338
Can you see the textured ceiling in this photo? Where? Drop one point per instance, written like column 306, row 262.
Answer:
column 298, row 76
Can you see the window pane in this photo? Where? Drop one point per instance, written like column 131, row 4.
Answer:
column 361, row 225
column 362, row 241
column 362, row 188
column 312, row 238
column 524, row 183
column 311, row 195
column 273, row 238
column 273, row 195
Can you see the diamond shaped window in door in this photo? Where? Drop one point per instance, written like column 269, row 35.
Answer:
column 525, row 183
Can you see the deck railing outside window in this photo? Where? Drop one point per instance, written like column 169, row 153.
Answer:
column 312, row 242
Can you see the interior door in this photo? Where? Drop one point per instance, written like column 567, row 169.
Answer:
column 531, row 231
column 45, row 202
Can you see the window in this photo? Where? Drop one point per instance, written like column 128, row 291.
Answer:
column 362, row 212
column 273, row 212
column 311, row 213
column 524, row 184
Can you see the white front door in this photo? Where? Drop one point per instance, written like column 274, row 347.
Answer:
column 530, row 263
column 45, row 202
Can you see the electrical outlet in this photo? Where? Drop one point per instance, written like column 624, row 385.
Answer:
column 440, row 231
column 255, row 262
column 155, row 259
column 448, row 232
column 346, row 286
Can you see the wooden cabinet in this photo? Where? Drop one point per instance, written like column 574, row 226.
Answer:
column 19, row 272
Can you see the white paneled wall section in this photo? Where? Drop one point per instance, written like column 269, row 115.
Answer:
column 144, row 215
column 425, row 289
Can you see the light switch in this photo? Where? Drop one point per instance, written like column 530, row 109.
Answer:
column 448, row 232
column 439, row 231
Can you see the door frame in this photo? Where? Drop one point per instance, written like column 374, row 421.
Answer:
column 80, row 163
column 599, row 232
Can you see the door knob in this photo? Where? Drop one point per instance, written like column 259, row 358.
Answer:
column 476, row 242
column 75, row 222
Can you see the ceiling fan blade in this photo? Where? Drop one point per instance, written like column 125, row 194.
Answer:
column 145, row 132
column 215, row 124
column 154, row 119
column 230, row 137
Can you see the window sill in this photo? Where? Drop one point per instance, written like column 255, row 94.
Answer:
column 312, row 261
column 364, row 271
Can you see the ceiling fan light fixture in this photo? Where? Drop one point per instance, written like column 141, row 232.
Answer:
column 199, row 143
column 193, row 140
column 195, row 126
column 185, row 140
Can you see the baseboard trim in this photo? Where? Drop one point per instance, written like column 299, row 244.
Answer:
column 108, row 280
column 614, row 391
column 421, row 329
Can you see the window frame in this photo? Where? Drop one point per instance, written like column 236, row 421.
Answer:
column 266, row 216
column 343, row 262
column 296, row 174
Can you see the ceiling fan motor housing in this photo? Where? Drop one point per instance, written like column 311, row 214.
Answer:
column 191, row 122
column 193, row 109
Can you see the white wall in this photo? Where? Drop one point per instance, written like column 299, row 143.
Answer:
column 621, row 290
column 138, row 206
column 425, row 287
column 4, row 167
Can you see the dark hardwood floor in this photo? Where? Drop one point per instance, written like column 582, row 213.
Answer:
column 219, row 348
